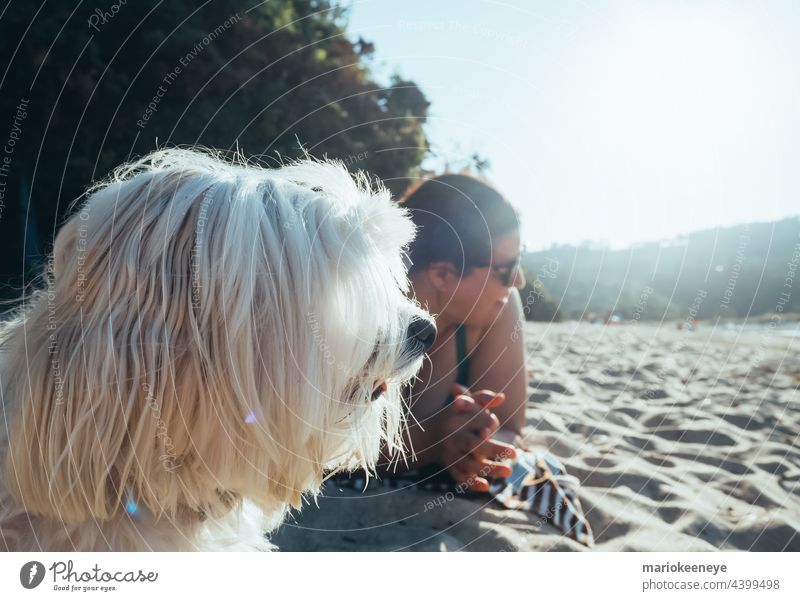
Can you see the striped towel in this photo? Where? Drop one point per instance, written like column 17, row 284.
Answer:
column 539, row 483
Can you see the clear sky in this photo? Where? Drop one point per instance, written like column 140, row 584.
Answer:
column 610, row 121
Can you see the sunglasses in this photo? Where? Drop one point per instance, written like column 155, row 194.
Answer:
column 507, row 272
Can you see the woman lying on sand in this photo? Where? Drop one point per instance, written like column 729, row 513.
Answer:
column 468, row 405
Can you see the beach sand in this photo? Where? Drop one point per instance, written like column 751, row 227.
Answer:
column 683, row 441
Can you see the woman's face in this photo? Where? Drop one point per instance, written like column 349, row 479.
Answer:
column 481, row 294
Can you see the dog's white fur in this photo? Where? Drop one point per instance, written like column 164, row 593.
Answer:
column 205, row 349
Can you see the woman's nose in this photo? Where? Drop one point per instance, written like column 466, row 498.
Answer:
column 519, row 279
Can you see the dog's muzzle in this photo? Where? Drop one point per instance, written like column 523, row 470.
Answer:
column 419, row 337
column 423, row 330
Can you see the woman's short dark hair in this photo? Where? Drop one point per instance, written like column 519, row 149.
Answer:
column 458, row 218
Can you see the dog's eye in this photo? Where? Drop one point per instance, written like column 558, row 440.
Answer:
column 379, row 390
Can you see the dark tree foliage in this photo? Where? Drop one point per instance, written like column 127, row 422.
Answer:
column 105, row 81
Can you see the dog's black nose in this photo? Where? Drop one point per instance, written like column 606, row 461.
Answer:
column 424, row 330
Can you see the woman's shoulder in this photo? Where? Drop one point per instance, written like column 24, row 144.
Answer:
column 498, row 363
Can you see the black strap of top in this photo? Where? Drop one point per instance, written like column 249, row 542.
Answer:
column 462, row 360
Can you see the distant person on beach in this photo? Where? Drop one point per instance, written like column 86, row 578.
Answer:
column 468, row 405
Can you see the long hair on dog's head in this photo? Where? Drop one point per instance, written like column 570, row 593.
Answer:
column 209, row 332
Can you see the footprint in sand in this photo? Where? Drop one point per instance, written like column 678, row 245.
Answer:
column 536, row 397
column 704, row 437
column 551, row 387
column 654, row 394
column 610, row 385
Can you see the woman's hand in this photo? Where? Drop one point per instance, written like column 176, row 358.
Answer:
column 466, row 447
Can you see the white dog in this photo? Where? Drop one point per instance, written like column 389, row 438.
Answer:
column 212, row 340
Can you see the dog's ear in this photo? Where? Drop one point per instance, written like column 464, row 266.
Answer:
column 82, row 432
column 151, row 375
column 104, row 376
column 65, row 246
column 34, row 376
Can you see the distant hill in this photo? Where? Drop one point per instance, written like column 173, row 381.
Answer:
column 746, row 270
